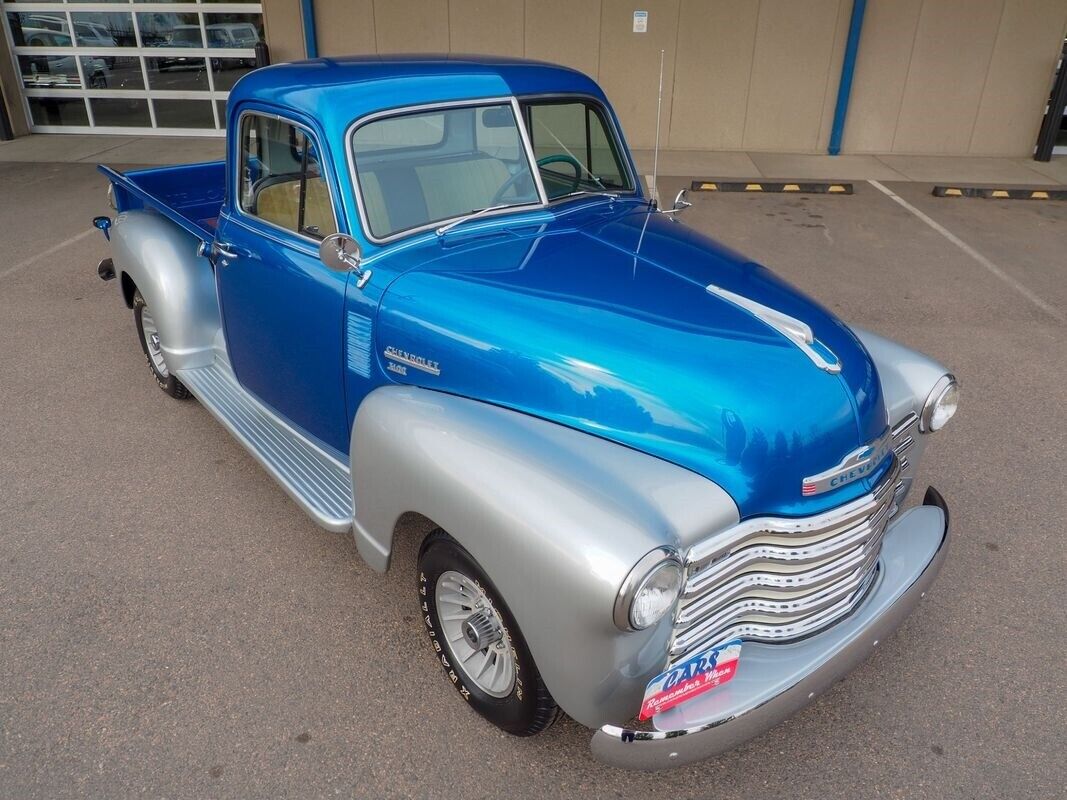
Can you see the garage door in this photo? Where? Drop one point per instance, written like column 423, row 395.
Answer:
column 130, row 67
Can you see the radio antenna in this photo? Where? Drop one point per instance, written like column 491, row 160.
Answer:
column 655, row 155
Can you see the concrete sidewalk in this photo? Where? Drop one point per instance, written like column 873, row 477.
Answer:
column 72, row 148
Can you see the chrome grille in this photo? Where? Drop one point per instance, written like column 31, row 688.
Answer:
column 774, row 579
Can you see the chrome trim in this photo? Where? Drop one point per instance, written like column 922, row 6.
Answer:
column 776, row 579
column 633, row 581
column 240, row 212
column 795, row 330
column 860, row 463
column 780, row 681
column 350, row 157
column 936, row 394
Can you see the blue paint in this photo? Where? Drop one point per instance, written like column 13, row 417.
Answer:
column 592, row 314
column 573, row 321
column 848, row 68
column 307, row 17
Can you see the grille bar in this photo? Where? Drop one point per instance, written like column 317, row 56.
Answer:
column 775, row 579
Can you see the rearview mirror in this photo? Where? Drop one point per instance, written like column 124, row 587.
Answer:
column 498, row 117
column 680, row 202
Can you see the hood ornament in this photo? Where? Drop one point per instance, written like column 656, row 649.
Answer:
column 797, row 331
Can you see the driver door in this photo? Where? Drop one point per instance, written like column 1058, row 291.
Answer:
column 282, row 308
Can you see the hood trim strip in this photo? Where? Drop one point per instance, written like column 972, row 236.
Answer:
column 793, row 329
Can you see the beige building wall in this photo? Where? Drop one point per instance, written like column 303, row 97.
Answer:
column 933, row 76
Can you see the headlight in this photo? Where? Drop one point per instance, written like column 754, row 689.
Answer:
column 649, row 591
column 940, row 405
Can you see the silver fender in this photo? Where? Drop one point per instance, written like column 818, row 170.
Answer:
column 555, row 517
column 907, row 378
column 177, row 284
column 907, row 375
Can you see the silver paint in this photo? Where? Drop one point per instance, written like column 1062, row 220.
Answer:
column 177, row 285
column 775, row 681
column 555, row 517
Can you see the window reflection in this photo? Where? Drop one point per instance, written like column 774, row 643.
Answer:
column 38, row 29
column 240, row 31
column 228, row 70
column 103, row 29
column 49, row 72
column 177, row 72
column 112, row 73
column 168, row 29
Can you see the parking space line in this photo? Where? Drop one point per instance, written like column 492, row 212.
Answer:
column 966, row 248
column 50, row 251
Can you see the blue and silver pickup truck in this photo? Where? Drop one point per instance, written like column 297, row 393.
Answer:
column 665, row 487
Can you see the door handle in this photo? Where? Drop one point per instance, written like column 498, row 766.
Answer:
column 225, row 250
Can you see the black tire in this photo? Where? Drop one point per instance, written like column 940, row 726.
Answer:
column 529, row 708
column 168, row 383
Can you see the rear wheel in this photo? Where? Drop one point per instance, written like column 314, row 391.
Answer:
column 148, row 333
column 476, row 640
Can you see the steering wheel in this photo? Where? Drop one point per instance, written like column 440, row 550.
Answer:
column 552, row 159
column 564, row 158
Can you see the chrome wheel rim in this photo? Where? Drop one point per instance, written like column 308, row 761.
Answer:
column 475, row 634
column 151, row 340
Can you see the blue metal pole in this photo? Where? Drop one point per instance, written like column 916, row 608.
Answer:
column 307, row 14
column 844, row 88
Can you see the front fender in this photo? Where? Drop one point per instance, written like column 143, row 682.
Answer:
column 907, row 375
column 177, row 284
column 555, row 517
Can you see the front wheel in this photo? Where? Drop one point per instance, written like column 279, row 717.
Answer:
column 148, row 333
column 476, row 640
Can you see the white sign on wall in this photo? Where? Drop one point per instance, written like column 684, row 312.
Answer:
column 640, row 22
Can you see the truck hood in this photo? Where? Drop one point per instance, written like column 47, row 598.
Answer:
column 608, row 327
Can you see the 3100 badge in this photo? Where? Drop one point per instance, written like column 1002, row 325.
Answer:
column 685, row 681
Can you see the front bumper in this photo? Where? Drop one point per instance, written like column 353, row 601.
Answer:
column 774, row 681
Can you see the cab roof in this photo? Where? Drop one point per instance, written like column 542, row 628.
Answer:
column 336, row 91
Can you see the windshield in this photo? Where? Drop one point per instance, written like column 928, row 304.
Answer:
column 575, row 148
column 419, row 169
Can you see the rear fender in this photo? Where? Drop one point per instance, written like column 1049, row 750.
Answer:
column 161, row 260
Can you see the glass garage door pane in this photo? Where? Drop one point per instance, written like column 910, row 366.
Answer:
column 183, row 113
column 39, row 29
column 111, row 72
column 177, row 73
column 228, row 70
column 103, row 29
column 234, row 30
column 49, row 72
column 168, row 29
column 120, row 113
column 58, row 111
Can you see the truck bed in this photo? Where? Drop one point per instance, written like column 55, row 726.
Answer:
column 188, row 194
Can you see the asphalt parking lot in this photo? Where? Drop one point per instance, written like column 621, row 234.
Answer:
column 172, row 625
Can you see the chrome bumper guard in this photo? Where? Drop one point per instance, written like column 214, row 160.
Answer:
column 774, row 681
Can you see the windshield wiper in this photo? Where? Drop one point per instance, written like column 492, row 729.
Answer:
column 581, row 192
column 473, row 215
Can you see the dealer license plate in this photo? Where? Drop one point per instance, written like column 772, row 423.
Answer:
column 692, row 677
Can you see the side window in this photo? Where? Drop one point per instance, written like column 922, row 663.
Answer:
column 281, row 178
column 574, row 144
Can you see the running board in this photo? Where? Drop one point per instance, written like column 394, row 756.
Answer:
column 319, row 484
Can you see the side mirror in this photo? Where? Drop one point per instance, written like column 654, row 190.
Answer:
column 342, row 253
column 680, row 202
column 103, row 224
